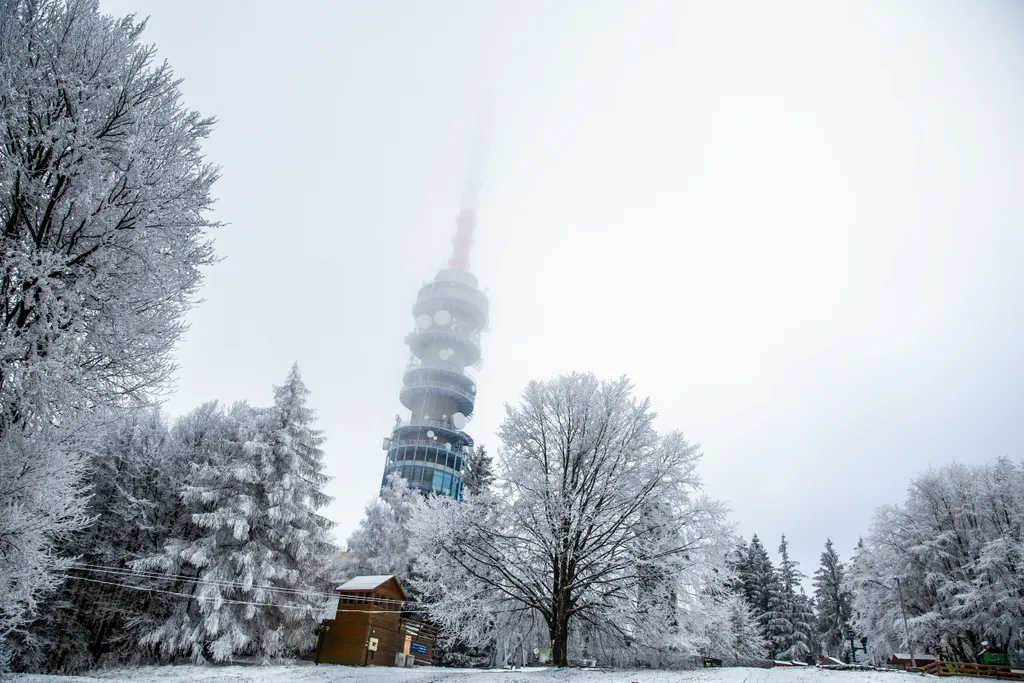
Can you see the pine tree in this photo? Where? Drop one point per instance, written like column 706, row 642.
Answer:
column 300, row 533
column 833, row 601
column 380, row 545
column 757, row 583
column 261, row 549
column 479, row 472
column 790, row 627
column 736, row 561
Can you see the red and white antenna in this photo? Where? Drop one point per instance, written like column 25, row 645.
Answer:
column 466, row 220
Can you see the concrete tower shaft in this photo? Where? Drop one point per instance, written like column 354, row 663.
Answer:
column 430, row 447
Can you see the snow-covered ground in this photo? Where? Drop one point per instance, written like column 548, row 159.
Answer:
column 307, row 673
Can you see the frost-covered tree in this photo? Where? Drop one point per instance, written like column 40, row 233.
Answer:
column 380, row 545
column 713, row 617
column 956, row 544
column 296, row 528
column 41, row 505
column 132, row 477
column 559, row 540
column 757, row 582
column 260, row 548
column 832, row 600
column 103, row 189
column 790, row 618
column 479, row 474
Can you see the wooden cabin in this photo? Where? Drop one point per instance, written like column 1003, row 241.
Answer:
column 903, row 661
column 369, row 628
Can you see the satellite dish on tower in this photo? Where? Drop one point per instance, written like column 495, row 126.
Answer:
column 459, row 420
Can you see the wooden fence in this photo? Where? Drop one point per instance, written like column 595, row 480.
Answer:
column 996, row 671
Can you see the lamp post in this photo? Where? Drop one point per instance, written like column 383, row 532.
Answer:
column 903, row 611
column 853, row 646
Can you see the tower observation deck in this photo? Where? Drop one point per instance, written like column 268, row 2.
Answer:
column 430, row 447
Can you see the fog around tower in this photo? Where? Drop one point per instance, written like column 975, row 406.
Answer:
column 797, row 228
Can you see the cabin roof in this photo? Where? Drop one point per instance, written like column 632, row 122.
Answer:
column 365, row 583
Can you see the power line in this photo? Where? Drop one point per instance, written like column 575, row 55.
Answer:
column 118, row 571
column 131, row 573
column 225, row 601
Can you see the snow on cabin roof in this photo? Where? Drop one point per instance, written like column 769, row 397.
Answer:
column 364, row 583
column 906, row 656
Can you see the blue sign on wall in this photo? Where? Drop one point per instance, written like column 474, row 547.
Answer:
column 418, row 648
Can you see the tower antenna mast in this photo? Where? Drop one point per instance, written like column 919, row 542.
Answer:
column 466, row 220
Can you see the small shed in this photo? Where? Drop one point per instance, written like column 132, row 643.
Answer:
column 993, row 655
column 901, row 660
column 369, row 627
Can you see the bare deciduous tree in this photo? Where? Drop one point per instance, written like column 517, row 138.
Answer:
column 569, row 533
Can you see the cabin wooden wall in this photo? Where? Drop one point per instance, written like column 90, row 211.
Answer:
column 371, row 616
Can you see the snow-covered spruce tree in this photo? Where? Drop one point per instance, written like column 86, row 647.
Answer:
column 957, row 546
column 832, row 600
column 560, row 537
column 102, row 193
column 479, row 473
column 718, row 619
column 790, row 618
column 132, row 478
column 380, row 545
column 758, row 583
column 261, row 548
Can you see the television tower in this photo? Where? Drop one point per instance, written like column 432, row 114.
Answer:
column 430, row 447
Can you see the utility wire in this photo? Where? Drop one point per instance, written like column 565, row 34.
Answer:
column 225, row 601
column 131, row 573
column 117, row 571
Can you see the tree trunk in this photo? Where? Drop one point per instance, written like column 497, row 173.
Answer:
column 558, row 631
column 559, row 646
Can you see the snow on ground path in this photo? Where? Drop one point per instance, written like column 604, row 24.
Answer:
column 308, row 673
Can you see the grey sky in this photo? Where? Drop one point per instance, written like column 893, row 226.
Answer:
column 799, row 229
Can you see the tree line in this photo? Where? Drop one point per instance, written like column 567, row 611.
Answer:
column 204, row 541
column 939, row 574
column 591, row 537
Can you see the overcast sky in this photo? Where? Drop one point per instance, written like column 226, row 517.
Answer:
column 799, row 228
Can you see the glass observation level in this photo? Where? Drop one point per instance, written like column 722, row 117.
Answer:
column 429, row 449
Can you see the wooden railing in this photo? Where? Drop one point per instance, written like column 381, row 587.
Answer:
column 998, row 671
